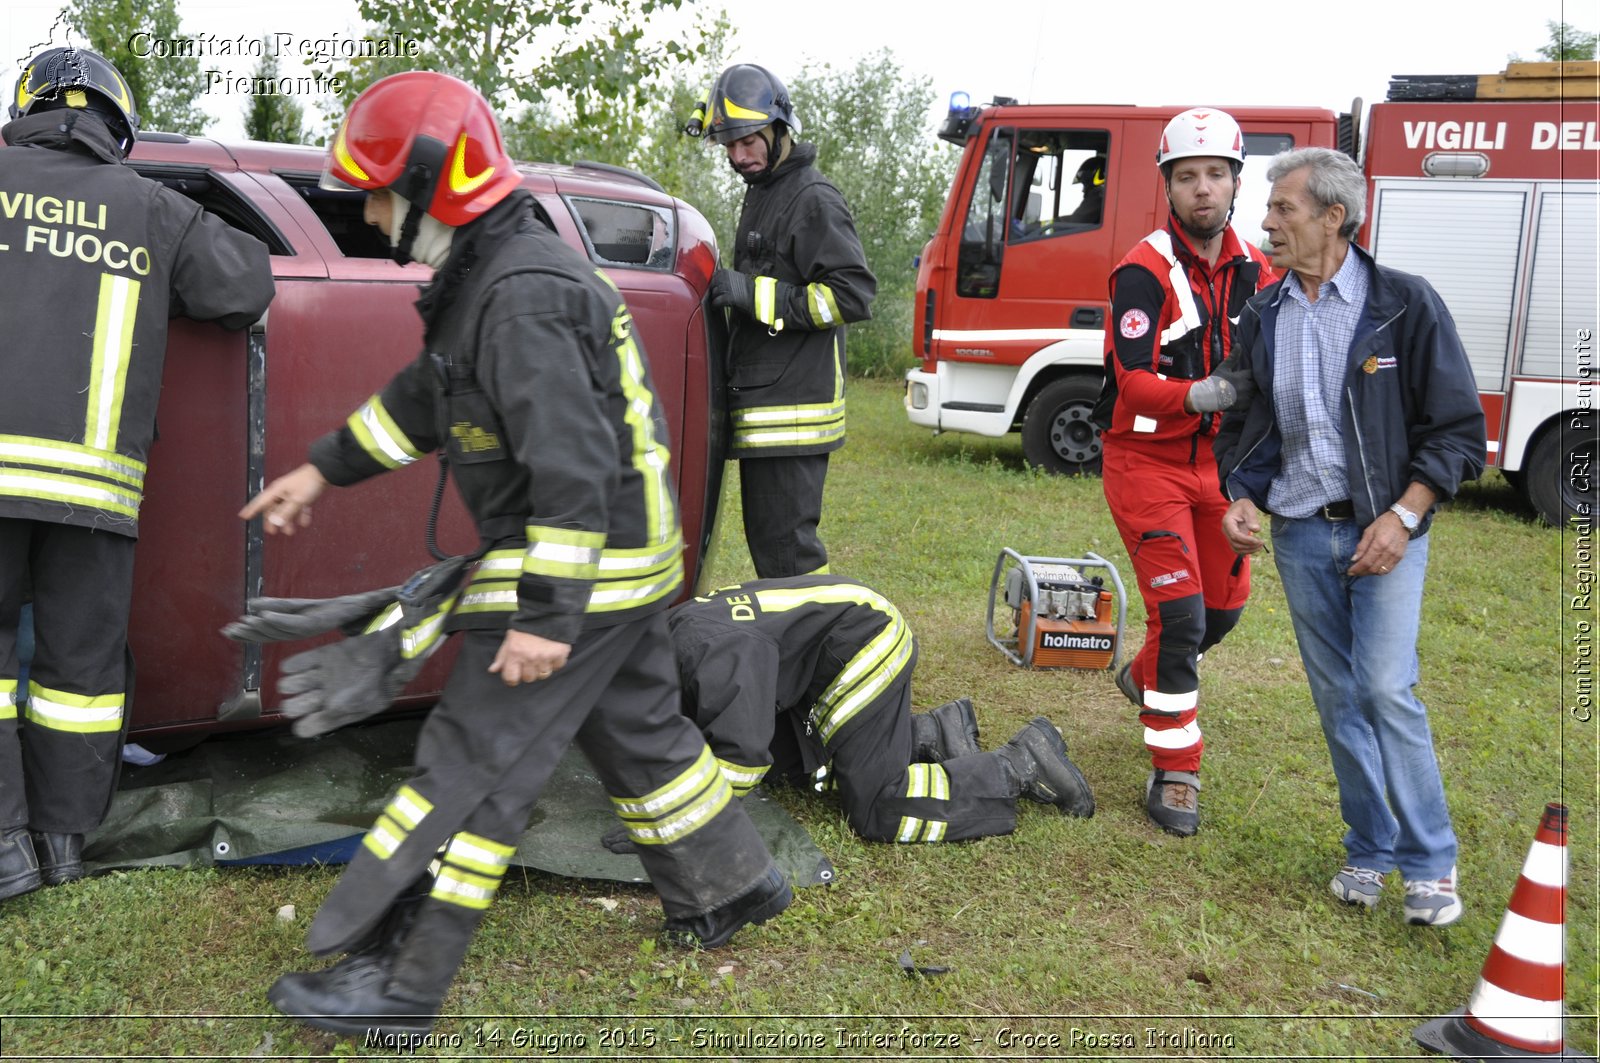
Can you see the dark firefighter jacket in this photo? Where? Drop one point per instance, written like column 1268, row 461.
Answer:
column 533, row 378
column 787, row 363
column 816, row 649
column 93, row 260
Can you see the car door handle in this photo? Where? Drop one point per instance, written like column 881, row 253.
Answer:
column 1088, row 317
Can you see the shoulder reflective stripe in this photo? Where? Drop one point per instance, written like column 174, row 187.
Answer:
column 56, row 454
column 766, row 308
column 1178, row 281
column 70, row 490
column 380, row 437
column 108, row 369
column 59, row 710
column 650, row 457
column 824, row 308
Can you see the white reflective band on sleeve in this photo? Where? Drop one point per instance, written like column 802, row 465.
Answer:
column 1174, row 738
column 391, row 447
column 1528, row 1020
column 1546, row 865
column 1530, row 940
column 1144, row 424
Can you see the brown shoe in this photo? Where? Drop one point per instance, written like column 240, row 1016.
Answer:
column 1172, row 801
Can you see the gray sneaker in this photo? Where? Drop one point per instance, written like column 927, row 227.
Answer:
column 1432, row 901
column 1358, row 886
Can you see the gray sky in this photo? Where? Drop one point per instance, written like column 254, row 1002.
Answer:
column 1148, row 52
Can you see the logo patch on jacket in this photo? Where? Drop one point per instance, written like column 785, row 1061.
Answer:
column 1374, row 363
column 1135, row 323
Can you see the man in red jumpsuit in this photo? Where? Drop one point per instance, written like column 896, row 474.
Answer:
column 1174, row 301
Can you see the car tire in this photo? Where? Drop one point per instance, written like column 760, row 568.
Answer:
column 1559, row 478
column 1058, row 432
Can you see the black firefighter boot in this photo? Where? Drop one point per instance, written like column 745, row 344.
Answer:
column 770, row 895
column 315, row 997
column 19, row 867
column 1038, row 763
column 945, row 733
column 60, row 856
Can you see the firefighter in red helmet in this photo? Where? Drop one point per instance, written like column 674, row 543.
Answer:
column 85, row 339
column 1174, row 300
column 534, row 383
column 799, row 277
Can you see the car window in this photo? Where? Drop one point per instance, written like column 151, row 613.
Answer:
column 219, row 198
column 340, row 214
column 618, row 233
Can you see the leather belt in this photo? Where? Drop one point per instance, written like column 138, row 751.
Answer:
column 1342, row 510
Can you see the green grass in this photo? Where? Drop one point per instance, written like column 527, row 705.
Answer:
column 1093, row 925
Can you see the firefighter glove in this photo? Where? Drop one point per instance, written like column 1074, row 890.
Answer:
column 733, row 289
column 351, row 680
column 288, row 619
column 1213, row 394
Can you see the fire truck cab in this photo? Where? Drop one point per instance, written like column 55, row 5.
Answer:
column 1485, row 185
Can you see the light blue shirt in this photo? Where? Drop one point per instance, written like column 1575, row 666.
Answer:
column 1313, row 343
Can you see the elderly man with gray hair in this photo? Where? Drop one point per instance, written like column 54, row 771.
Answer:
column 1356, row 415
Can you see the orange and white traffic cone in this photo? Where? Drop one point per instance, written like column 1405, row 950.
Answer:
column 1517, row 1008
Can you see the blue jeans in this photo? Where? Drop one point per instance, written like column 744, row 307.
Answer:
column 1358, row 639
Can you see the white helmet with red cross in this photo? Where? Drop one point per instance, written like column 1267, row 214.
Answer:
column 1201, row 131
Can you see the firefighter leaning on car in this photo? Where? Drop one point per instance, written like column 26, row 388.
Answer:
column 789, row 676
column 799, row 277
column 1174, row 300
column 93, row 260
column 534, row 381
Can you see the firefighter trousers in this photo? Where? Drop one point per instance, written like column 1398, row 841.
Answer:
column 59, row 759
column 887, row 798
column 782, row 501
column 1194, row 586
column 486, row 751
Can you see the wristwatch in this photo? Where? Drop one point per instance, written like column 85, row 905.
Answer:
column 1408, row 518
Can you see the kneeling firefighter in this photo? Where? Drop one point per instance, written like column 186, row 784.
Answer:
column 807, row 672
column 531, row 356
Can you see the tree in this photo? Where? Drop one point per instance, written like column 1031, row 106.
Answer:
column 165, row 87
column 559, row 73
column 272, row 116
column 1568, row 42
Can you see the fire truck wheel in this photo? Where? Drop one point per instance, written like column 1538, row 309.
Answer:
column 1560, row 476
column 1057, row 432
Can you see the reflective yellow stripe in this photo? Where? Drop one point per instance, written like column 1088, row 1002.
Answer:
column 384, row 838
column 824, row 309
column 8, row 699
column 920, row 830
column 766, row 306
column 57, row 454
column 396, row 822
column 72, row 490
column 60, row 710
column 650, row 456
column 477, row 853
column 422, row 639
column 381, row 437
column 870, row 671
column 464, row 888
column 391, row 615
column 563, row 553
column 927, row 780
column 680, row 808
column 108, row 368
column 741, row 778
column 627, row 584
column 789, row 426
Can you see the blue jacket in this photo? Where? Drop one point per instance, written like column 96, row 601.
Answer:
column 1410, row 410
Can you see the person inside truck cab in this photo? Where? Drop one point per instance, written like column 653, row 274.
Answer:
column 94, row 260
column 799, row 277
column 1174, row 300
column 1091, row 176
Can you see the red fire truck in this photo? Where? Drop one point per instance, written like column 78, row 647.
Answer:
column 1484, row 185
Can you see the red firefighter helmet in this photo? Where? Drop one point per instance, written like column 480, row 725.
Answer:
column 428, row 137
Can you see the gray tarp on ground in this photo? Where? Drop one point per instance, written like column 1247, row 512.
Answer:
column 269, row 797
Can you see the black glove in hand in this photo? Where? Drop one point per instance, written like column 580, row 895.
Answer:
column 731, row 288
column 288, row 619
column 1212, row 395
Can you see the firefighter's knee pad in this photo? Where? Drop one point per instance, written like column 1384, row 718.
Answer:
column 1218, row 623
column 1183, row 624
